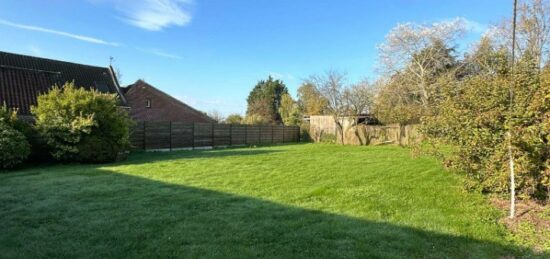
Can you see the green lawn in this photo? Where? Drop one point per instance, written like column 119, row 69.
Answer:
column 297, row 201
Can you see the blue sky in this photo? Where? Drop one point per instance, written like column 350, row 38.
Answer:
column 210, row 53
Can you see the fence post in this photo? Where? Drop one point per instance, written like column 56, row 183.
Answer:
column 193, row 135
column 246, row 134
column 230, row 134
column 271, row 134
column 144, row 136
column 284, row 140
column 259, row 135
column 212, row 135
column 170, row 129
column 299, row 134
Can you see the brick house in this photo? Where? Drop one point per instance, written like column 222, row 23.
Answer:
column 148, row 103
column 23, row 78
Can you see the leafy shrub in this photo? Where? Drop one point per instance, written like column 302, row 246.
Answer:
column 39, row 151
column 82, row 125
column 474, row 118
column 14, row 147
column 305, row 136
column 8, row 116
column 234, row 119
column 255, row 119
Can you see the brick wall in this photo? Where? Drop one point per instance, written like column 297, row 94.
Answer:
column 163, row 107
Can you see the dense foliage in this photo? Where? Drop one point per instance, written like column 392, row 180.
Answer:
column 475, row 117
column 256, row 119
column 289, row 111
column 310, row 101
column 234, row 119
column 82, row 125
column 264, row 101
column 474, row 109
column 14, row 147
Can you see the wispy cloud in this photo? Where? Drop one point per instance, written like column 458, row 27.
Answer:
column 474, row 26
column 159, row 52
column 155, row 15
column 35, row 50
column 282, row 76
column 56, row 32
column 223, row 104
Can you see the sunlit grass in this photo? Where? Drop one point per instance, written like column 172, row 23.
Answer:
column 281, row 201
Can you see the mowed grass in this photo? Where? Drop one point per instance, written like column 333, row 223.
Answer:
column 289, row 201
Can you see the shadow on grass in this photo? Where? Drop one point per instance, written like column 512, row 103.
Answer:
column 142, row 157
column 98, row 213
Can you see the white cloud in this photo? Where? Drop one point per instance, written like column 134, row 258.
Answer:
column 282, row 76
column 159, row 53
column 474, row 26
column 223, row 105
column 155, row 15
column 35, row 50
column 467, row 25
column 56, row 32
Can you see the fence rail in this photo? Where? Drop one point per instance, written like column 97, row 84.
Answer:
column 178, row 135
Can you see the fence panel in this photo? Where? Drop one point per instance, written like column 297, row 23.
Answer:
column 203, row 134
column 238, row 135
column 278, row 134
column 180, row 135
column 157, row 135
column 137, row 136
column 266, row 136
column 222, row 135
column 253, row 135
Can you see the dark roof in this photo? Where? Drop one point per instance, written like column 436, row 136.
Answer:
column 23, row 78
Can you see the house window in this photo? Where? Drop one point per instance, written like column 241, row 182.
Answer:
column 148, row 103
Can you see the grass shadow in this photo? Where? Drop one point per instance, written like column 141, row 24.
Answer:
column 98, row 213
column 143, row 157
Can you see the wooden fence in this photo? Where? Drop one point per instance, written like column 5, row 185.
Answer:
column 178, row 135
column 403, row 135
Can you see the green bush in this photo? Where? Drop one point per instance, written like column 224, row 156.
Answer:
column 474, row 118
column 304, row 133
column 39, row 151
column 82, row 125
column 14, row 147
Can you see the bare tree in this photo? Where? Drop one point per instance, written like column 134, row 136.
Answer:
column 532, row 31
column 343, row 103
column 358, row 99
column 216, row 116
column 419, row 51
column 331, row 87
column 534, row 28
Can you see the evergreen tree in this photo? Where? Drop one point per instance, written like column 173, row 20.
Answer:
column 265, row 100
